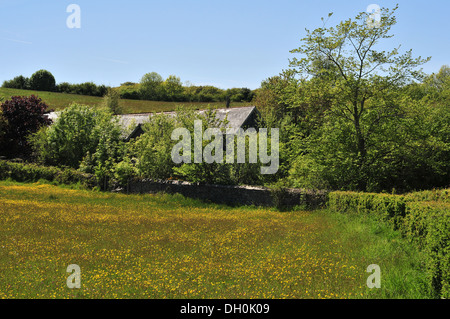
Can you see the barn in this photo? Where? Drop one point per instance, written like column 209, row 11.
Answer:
column 237, row 117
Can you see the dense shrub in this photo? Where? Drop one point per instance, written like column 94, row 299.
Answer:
column 131, row 94
column 86, row 88
column 111, row 101
column 153, row 148
column 42, row 80
column 124, row 171
column 428, row 225
column 23, row 172
column 78, row 132
column 385, row 207
column 19, row 82
column 422, row 217
column 23, row 116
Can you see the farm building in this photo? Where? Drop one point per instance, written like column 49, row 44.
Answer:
column 238, row 117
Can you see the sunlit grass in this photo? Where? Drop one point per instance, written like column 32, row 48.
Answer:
column 167, row 246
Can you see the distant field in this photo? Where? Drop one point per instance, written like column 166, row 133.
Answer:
column 59, row 101
column 166, row 246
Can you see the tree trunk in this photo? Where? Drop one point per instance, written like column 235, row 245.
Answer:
column 362, row 153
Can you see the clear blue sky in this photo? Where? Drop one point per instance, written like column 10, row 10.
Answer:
column 226, row 43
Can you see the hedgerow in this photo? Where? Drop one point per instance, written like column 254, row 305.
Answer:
column 25, row 172
column 422, row 217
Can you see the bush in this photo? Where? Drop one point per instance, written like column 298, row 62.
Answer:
column 153, row 148
column 428, row 225
column 384, row 207
column 79, row 130
column 42, row 80
column 124, row 171
column 22, row 172
column 24, row 116
column 111, row 101
column 131, row 94
column 87, row 88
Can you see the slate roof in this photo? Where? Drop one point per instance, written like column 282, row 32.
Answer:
column 237, row 117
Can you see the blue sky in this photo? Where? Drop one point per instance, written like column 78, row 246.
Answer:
column 225, row 43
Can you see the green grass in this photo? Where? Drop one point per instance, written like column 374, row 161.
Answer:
column 59, row 101
column 168, row 246
column 403, row 269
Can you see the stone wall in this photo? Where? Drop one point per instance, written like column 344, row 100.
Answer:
column 232, row 195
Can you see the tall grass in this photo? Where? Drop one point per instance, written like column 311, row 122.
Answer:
column 402, row 265
column 168, row 246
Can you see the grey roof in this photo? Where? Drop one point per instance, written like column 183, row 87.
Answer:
column 237, row 117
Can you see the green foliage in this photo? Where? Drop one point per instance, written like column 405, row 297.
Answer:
column 111, row 102
column 153, row 148
column 204, row 173
column 173, row 89
column 352, row 117
column 19, row 82
column 23, row 172
column 79, row 131
column 240, row 94
column 87, row 88
column 124, row 171
column 341, row 67
column 42, row 80
column 422, row 218
column 151, row 86
column 386, row 208
column 153, row 151
column 129, row 90
column 3, row 129
column 22, row 116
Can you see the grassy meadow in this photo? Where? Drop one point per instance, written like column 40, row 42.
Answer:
column 167, row 246
column 59, row 101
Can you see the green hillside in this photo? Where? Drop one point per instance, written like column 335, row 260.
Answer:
column 59, row 101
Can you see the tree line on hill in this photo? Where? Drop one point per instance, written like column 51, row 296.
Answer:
column 152, row 87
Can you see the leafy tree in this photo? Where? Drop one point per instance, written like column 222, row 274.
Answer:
column 153, row 148
column 209, row 173
column 79, row 131
column 173, row 88
column 124, row 171
column 42, row 80
column 437, row 86
column 360, row 78
column 64, row 87
column 24, row 116
column 111, row 101
column 239, row 94
column 19, row 82
column 151, row 86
